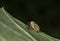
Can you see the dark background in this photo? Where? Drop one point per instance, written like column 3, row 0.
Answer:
column 45, row 12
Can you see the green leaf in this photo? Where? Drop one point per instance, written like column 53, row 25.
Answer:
column 12, row 29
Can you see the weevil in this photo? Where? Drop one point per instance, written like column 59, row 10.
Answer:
column 34, row 26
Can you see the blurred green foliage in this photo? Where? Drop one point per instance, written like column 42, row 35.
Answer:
column 12, row 29
column 45, row 13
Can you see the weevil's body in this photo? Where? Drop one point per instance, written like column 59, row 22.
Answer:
column 34, row 26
